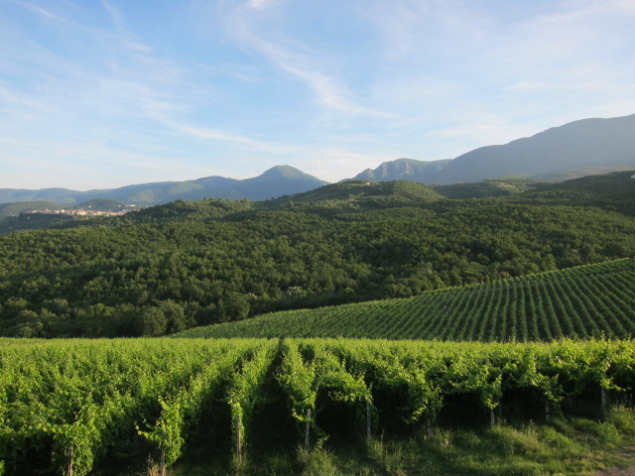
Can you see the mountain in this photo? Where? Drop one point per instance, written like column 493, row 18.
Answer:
column 576, row 149
column 278, row 181
column 580, row 148
column 405, row 169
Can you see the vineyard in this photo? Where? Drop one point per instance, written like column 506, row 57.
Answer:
column 68, row 406
column 587, row 301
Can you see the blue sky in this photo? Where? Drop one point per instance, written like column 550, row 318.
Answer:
column 100, row 94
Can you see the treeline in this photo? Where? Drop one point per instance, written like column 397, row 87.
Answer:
column 168, row 268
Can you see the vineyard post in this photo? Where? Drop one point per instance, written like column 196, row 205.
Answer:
column 162, row 458
column 162, row 464
column 307, row 428
column 547, row 411
column 369, row 436
column 238, row 437
column 429, row 427
column 492, row 418
column 604, row 401
column 150, row 463
column 69, row 471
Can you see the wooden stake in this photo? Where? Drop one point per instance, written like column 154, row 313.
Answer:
column 239, row 442
column 604, row 401
column 162, row 458
column 547, row 411
column 307, row 429
column 162, row 464
column 150, row 463
column 492, row 418
column 369, row 436
column 429, row 428
column 69, row 471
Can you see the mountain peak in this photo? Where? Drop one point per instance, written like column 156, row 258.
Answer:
column 286, row 171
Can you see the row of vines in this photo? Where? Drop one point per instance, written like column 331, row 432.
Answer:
column 66, row 405
column 588, row 301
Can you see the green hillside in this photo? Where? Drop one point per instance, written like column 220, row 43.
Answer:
column 364, row 193
column 184, row 264
column 581, row 302
column 487, row 188
column 614, row 191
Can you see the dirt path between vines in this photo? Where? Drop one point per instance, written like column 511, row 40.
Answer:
column 629, row 454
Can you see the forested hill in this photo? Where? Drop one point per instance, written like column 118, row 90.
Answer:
column 183, row 264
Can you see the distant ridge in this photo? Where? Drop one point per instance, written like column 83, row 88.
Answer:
column 576, row 149
column 275, row 182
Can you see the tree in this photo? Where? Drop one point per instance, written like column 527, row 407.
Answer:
column 152, row 322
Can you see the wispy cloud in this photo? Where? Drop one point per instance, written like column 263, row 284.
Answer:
column 290, row 55
column 134, row 83
column 239, row 85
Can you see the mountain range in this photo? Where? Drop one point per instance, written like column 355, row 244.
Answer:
column 576, row 149
column 585, row 147
column 277, row 181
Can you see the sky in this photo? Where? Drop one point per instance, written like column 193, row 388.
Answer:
column 107, row 93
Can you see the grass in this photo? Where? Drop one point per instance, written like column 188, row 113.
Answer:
column 568, row 446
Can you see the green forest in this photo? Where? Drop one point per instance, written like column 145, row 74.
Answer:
column 168, row 268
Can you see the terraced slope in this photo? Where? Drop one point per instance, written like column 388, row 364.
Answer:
column 582, row 302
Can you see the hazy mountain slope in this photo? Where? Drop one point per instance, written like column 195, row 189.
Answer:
column 278, row 181
column 57, row 195
column 585, row 146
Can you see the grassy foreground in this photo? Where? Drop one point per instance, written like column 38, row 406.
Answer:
column 574, row 446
